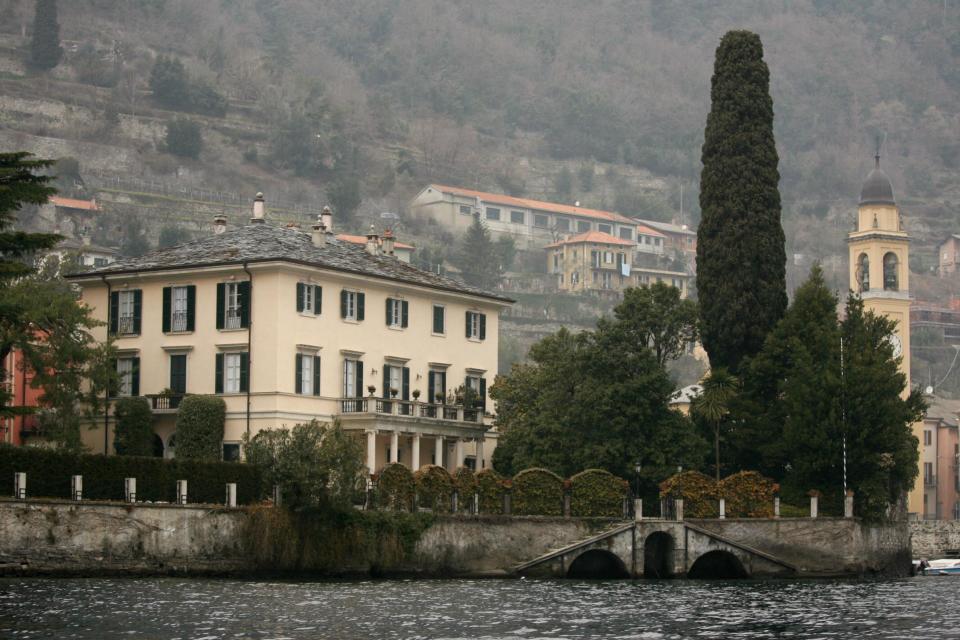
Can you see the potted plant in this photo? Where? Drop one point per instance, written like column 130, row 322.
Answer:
column 393, row 393
column 439, row 398
column 416, row 394
column 372, row 389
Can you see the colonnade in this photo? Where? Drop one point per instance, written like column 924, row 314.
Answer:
column 439, row 444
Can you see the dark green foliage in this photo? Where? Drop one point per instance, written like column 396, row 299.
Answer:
column 597, row 493
column 491, row 490
column 171, row 235
column 173, row 89
column 45, row 49
column 434, row 488
column 655, row 316
column 741, row 260
column 478, row 258
column 133, row 433
column 200, row 422
column 49, row 470
column 536, row 492
column 183, row 138
column 135, row 242
column 344, row 195
column 21, row 183
column 92, row 68
column 465, row 481
column 395, row 488
column 563, row 184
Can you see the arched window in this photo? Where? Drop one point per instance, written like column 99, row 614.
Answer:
column 863, row 272
column 891, row 281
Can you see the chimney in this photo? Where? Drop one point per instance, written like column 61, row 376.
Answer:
column 326, row 219
column 319, row 235
column 388, row 242
column 373, row 246
column 258, row 213
column 219, row 224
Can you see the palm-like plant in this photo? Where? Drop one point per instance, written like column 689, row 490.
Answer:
column 718, row 390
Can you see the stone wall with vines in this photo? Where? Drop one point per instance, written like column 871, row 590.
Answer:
column 597, row 493
column 537, row 492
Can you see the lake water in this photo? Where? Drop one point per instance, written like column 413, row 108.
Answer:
column 170, row 608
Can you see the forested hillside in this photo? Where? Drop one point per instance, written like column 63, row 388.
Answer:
column 361, row 102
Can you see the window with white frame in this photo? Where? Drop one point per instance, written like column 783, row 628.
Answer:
column 493, row 213
column 604, row 228
column 583, row 226
column 231, row 308
column 125, row 373
column 178, row 310
column 306, row 373
column 626, row 233
column 517, row 217
column 127, row 311
column 466, row 209
column 563, row 224
column 476, row 325
column 395, row 313
column 231, row 372
column 541, row 221
column 308, row 299
column 352, row 378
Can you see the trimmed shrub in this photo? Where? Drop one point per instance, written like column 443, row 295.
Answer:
column 748, row 494
column 596, row 493
column 434, row 488
column 491, row 490
column 200, row 422
column 133, row 434
column 395, row 488
column 183, row 138
column 699, row 492
column 537, row 492
column 465, row 482
column 49, row 470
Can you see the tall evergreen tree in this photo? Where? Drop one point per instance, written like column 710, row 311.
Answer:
column 741, row 260
column 45, row 49
column 479, row 259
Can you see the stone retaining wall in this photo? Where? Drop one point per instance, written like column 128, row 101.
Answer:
column 935, row 538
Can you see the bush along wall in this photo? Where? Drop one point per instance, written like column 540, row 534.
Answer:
column 49, row 470
column 597, row 493
column 490, row 487
column 434, row 488
column 537, row 492
column 465, row 482
column 395, row 488
column 699, row 493
column 748, row 494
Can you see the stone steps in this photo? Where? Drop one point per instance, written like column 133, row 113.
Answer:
column 556, row 553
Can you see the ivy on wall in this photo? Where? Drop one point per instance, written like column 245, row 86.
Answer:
column 537, row 492
column 597, row 493
column 748, row 494
column 434, row 488
column 490, row 486
column 395, row 488
column 698, row 491
column 465, row 481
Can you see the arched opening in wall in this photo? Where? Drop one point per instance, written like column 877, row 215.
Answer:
column 171, row 451
column 891, row 280
column 597, row 564
column 157, row 446
column 863, row 273
column 717, row 565
column 658, row 555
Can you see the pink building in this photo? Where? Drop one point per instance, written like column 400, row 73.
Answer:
column 949, row 255
column 939, row 453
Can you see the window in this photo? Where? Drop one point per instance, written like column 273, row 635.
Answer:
column 352, row 378
column 928, row 473
column 575, row 277
column 595, row 259
column 604, row 228
column 178, row 373
column 541, row 221
column 647, row 239
column 517, row 217
column 309, row 298
column 476, row 325
column 863, row 272
column 493, row 213
column 656, row 242
column 890, row 277
column 563, row 224
column 466, row 209
column 606, row 279
column 479, row 386
column 927, row 438
column 231, row 452
column 352, row 305
column 583, row 226
column 626, row 233
column 128, row 372
column 437, row 386
column 178, row 308
column 307, row 380
column 100, row 262
column 608, row 257
column 396, row 379
column 439, row 319
column 233, row 306
column 233, row 372
column 125, row 311
column 556, row 260
column 397, row 313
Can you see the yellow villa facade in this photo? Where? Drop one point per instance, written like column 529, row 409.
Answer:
column 288, row 326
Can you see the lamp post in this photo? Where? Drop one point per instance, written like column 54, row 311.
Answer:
column 637, row 468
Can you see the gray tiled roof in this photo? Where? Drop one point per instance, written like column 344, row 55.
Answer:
column 266, row 242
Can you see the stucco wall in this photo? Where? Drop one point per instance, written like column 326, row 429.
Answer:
column 934, row 538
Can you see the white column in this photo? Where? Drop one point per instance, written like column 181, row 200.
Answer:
column 371, row 451
column 458, row 454
column 438, row 451
column 394, row 447
column 415, row 460
column 479, row 452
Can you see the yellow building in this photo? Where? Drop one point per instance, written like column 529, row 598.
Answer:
column 288, row 326
column 591, row 261
column 879, row 272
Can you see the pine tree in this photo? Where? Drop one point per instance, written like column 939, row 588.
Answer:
column 20, row 183
column 741, row 260
column 479, row 259
column 45, row 49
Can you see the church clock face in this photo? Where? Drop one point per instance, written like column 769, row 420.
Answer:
column 896, row 344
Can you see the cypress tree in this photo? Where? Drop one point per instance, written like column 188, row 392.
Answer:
column 741, row 260
column 45, row 49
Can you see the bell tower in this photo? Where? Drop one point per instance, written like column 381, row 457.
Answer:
column 879, row 272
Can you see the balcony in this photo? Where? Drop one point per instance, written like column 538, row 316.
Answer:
column 410, row 409
column 125, row 325
column 929, row 480
column 178, row 321
column 165, row 403
column 232, row 320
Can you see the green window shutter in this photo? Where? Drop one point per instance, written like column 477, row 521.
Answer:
column 244, row 372
column 359, row 377
column 178, row 373
column 437, row 319
column 135, row 378
column 389, row 310
column 298, row 384
column 137, row 310
column 343, row 303
column 404, row 314
column 361, row 299
column 166, row 308
column 191, row 307
column 218, row 383
column 114, row 381
column 468, row 324
column 317, row 299
column 431, row 388
column 483, row 394
column 386, row 381
column 114, row 311
column 443, row 384
column 316, row 375
column 483, row 326
column 405, row 392
column 243, row 297
column 221, row 305
column 300, row 301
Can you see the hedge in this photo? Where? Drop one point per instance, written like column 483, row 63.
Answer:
column 395, row 487
column 200, row 421
column 465, row 483
column 597, row 493
column 699, row 492
column 537, row 492
column 133, row 434
column 748, row 494
column 491, row 490
column 49, row 470
column 434, row 488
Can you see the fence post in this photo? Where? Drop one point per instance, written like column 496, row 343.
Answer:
column 679, row 506
column 231, row 494
column 638, row 509
column 848, row 505
column 181, row 492
column 566, row 505
column 813, row 506
column 76, row 487
column 506, row 503
column 776, row 506
column 723, row 508
column 454, row 500
column 129, row 489
column 476, row 503
column 277, row 496
column 20, row 485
